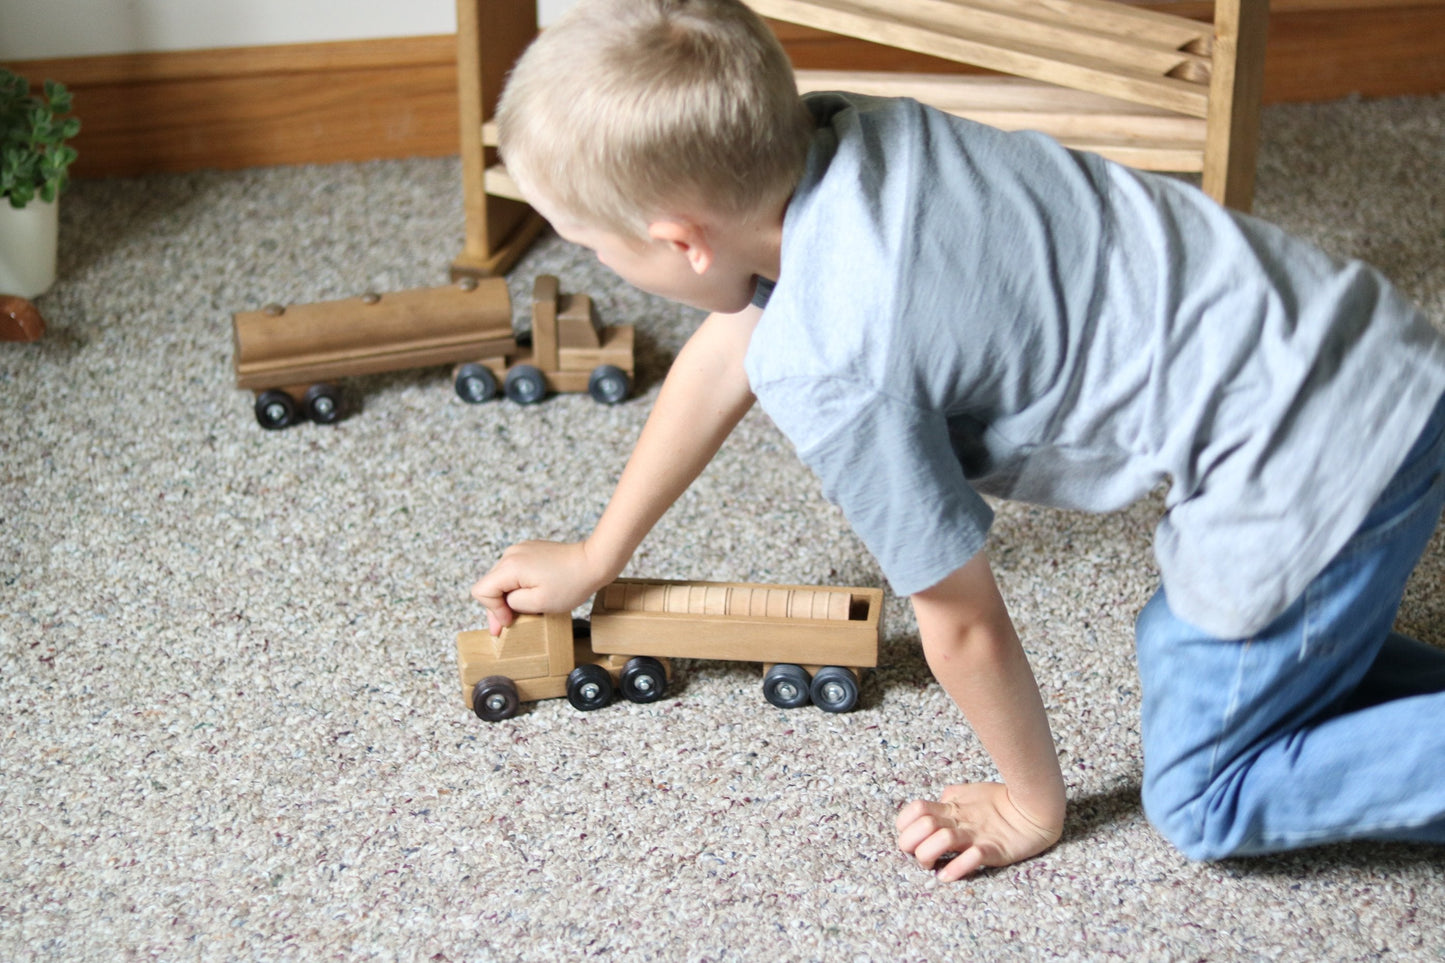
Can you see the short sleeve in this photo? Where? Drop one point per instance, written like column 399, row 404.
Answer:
column 892, row 470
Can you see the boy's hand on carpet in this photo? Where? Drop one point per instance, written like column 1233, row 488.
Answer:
column 977, row 821
column 537, row 577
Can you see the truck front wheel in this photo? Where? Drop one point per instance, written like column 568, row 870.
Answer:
column 786, row 686
column 643, row 679
column 835, row 689
column 589, row 687
column 495, row 699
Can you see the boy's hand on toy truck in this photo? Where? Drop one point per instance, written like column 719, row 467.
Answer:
column 538, row 577
column 979, row 822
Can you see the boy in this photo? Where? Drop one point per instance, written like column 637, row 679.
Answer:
column 930, row 309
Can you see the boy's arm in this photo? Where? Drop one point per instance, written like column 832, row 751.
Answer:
column 704, row 396
column 975, row 654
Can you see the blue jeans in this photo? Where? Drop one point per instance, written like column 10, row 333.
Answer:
column 1327, row 725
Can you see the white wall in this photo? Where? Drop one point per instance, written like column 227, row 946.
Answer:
column 37, row 29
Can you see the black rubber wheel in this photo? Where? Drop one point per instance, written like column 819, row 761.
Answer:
column 475, row 384
column 589, row 687
column 525, row 385
column 786, row 686
column 834, row 689
column 323, row 404
column 275, row 410
column 608, row 384
column 495, row 699
column 643, row 679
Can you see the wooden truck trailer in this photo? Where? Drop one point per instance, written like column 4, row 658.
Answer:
column 290, row 357
column 812, row 642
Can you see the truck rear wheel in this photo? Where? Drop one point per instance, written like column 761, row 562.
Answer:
column 495, row 699
column 323, row 404
column 834, row 689
column 525, row 385
column 475, row 384
column 275, row 410
column 643, row 679
column 786, row 686
column 589, row 687
column 608, row 384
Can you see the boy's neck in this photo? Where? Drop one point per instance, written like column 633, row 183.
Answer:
column 759, row 243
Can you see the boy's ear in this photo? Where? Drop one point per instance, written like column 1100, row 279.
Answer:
column 686, row 237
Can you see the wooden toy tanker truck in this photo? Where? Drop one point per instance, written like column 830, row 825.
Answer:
column 290, row 357
column 812, row 642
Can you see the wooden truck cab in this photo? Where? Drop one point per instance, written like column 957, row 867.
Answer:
column 571, row 351
column 536, row 657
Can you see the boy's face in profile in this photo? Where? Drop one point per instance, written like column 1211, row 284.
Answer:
column 673, row 262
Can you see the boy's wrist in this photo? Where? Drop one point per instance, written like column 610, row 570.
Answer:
column 604, row 562
column 1044, row 810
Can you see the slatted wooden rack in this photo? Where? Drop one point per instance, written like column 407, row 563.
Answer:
column 1148, row 88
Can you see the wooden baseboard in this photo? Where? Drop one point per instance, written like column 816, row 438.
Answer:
column 371, row 99
column 255, row 106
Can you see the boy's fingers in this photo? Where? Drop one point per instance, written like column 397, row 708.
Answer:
column 917, row 810
column 929, row 835
column 493, row 588
column 964, row 864
column 499, row 619
column 938, row 845
column 493, row 591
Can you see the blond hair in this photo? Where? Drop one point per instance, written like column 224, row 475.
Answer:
column 625, row 109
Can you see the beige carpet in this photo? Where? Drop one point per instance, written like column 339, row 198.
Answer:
column 230, row 727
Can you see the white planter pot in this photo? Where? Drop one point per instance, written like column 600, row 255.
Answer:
column 29, row 239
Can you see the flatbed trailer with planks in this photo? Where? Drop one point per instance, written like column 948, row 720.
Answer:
column 812, row 641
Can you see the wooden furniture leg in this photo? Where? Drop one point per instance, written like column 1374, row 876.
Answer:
column 491, row 35
column 1231, row 137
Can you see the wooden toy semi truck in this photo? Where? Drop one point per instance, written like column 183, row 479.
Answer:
column 812, row 641
column 290, row 357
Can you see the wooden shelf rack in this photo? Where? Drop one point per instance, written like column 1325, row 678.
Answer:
column 1147, row 88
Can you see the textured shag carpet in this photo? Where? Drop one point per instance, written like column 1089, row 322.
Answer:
column 230, row 724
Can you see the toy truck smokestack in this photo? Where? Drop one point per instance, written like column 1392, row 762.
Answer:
column 813, row 642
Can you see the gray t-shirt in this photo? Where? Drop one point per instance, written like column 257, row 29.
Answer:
column 962, row 310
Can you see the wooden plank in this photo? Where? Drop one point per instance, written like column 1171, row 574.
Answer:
column 1165, row 27
column 703, row 620
column 1146, row 137
column 500, row 183
column 1139, row 44
column 1317, row 49
column 1023, row 59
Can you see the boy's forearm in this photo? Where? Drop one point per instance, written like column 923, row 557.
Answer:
column 704, row 396
column 976, row 656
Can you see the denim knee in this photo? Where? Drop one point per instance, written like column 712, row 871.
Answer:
column 1184, row 820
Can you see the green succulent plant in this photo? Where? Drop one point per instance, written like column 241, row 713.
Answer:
column 34, row 156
